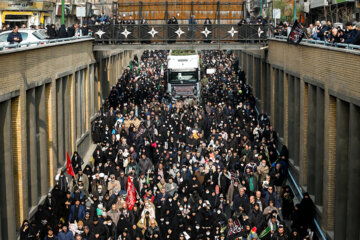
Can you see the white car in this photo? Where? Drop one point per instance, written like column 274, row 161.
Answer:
column 28, row 36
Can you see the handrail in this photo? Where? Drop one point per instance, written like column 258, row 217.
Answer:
column 301, row 195
column 45, row 41
column 174, row 33
column 319, row 42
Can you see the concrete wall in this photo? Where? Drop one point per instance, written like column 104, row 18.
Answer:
column 312, row 94
column 48, row 97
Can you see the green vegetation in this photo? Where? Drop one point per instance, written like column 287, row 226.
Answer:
column 183, row 52
column 287, row 10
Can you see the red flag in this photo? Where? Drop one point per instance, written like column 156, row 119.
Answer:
column 130, row 199
column 69, row 168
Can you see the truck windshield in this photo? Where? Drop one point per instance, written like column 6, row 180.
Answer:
column 183, row 77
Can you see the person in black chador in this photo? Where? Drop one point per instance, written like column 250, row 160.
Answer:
column 62, row 31
column 173, row 24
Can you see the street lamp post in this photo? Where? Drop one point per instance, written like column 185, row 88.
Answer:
column 294, row 10
column 62, row 11
column 103, row 10
column 261, row 5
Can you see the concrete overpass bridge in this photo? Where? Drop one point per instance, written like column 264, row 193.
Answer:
column 181, row 46
column 50, row 94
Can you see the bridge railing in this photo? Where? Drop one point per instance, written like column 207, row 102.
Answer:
column 325, row 43
column 41, row 43
column 167, row 33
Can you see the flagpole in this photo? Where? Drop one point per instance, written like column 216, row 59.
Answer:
column 70, row 168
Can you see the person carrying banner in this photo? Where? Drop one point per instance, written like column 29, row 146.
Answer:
column 296, row 34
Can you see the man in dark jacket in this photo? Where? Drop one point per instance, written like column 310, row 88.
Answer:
column 77, row 212
column 356, row 39
column 15, row 36
column 99, row 229
column 144, row 163
column 256, row 217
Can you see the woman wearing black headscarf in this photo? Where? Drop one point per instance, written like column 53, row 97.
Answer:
column 173, row 23
column 52, row 31
column 25, row 231
column 62, row 31
column 122, row 225
column 287, row 203
column 307, row 208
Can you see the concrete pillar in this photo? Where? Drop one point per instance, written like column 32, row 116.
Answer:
column 42, row 148
column 311, row 137
column 353, row 195
column 245, row 64
column 275, row 118
column 267, row 89
column 257, row 74
column 121, row 66
column 296, row 136
column 96, row 88
column 262, row 84
column 67, row 117
column 91, row 94
column 319, row 165
column 72, row 118
column 303, row 132
column 272, row 93
column 280, row 104
column 77, row 112
column 50, row 126
column 7, row 203
column 278, row 99
column 60, row 122
column 342, row 166
column 84, row 100
column 32, row 148
column 251, row 71
column 328, row 216
column 18, row 140
column 291, row 116
column 286, row 109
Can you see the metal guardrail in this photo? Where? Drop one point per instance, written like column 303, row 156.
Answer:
column 171, row 33
column 42, row 42
column 318, row 228
column 324, row 43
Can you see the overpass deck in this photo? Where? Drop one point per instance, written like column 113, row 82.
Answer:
column 182, row 45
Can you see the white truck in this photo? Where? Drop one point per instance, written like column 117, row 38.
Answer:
column 183, row 74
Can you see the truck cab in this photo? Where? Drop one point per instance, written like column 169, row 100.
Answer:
column 183, row 74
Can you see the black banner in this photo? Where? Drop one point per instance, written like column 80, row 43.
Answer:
column 296, row 34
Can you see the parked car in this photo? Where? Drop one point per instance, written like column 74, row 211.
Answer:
column 28, row 35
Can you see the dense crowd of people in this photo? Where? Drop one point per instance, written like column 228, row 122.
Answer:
column 202, row 170
column 326, row 31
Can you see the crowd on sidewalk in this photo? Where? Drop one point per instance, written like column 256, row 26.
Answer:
column 326, row 31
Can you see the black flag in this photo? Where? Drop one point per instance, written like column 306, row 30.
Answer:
column 296, row 34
